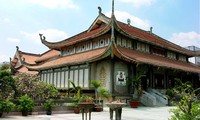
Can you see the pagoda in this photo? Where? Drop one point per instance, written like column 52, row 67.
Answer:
column 112, row 52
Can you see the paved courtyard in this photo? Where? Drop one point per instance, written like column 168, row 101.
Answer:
column 141, row 113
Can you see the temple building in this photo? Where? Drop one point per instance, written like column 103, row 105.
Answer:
column 112, row 52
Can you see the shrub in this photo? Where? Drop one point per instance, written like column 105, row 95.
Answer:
column 25, row 103
column 33, row 87
column 6, row 106
column 7, row 85
column 188, row 108
column 49, row 104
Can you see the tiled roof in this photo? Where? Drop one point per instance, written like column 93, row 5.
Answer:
column 47, row 55
column 71, row 59
column 141, row 57
column 74, row 39
column 25, row 70
column 152, row 38
column 29, row 58
column 130, row 30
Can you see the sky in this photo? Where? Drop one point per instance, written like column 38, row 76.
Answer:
column 21, row 21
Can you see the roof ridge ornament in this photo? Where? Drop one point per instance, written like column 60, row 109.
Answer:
column 42, row 37
column 129, row 22
column 100, row 10
column 17, row 47
column 151, row 30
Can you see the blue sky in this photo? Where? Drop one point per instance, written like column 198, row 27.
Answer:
column 22, row 20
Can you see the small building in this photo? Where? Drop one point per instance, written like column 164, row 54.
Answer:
column 196, row 59
column 112, row 52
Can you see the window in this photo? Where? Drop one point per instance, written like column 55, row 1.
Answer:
column 102, row 42
column 129, row 44
column 142, row 47
column 158, row 52
column 83, row 48
column 123, row 42
column 96, row 44
column 171, row 55
column 182, row 58
column 107, row 40
column 118, row 41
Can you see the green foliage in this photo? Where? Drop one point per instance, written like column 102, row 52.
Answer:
column 25, row 103
column 136, row 83
column 48, row 91
column 104, row 93
column 6, row 106
column 49, row 104
column 5, row 66
column 76, row 89
column 77, row 96
column 170, row 93
column 188, row 108
column 86, row 98
column 178, row 114
column 33, row 87
column 95, row 83
column 7, row 85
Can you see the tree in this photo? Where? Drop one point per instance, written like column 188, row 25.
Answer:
column 5, row 66
column 33, row 87
column 188, row 108
column 7, row 85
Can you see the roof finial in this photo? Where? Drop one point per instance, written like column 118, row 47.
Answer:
column 113, row 5
column 151, row 28
column 99, row 9
column 129, row 22
column 42, row 37
column 17, row 48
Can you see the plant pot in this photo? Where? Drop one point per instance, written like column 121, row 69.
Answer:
column 134, row 104
column 98, row 108
column 76, row 110
column 48, row 112
column 24, row 113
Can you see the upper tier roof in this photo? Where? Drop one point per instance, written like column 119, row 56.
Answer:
column 102, row 24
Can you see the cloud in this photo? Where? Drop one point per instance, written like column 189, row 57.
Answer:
column 135, row 21
column 13, row 40
column 138, row 3
column 6, row 20
column 186, row 39
column 53, row 4
column 4, row 58
column 52, row 35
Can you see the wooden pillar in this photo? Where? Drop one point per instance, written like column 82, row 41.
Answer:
column 112, row 76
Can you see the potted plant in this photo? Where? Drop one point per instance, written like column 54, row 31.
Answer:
column 76, row 101
column 103, row 93
column 77, row 96
column 136, row 83
column 26, row 104
column 6, row 106
column 48, row 105
column 96, row 84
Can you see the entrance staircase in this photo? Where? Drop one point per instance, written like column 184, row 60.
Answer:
column 153, row 98
column 148, row 100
